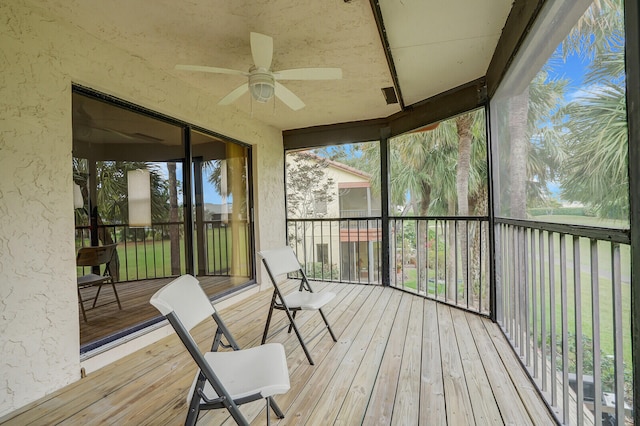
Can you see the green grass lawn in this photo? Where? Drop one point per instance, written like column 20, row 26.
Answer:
column 151, row 258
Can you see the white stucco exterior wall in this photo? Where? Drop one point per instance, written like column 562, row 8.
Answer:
column 40, row 58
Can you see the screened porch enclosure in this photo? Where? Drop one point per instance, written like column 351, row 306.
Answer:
column 519, row 210
column 514, row 206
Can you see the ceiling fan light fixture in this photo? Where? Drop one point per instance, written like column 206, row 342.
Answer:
column 261, row 86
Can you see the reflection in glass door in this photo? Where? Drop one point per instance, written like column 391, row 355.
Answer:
column 116, row 144
column 222, row 224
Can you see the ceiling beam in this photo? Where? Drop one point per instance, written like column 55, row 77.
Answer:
column 437, row 108
column 377, row 14
column 519, row 22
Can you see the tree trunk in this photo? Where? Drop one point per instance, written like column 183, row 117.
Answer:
column 518, row 118
column 422, row 273
column 463, row 125
column 478, row 249
column 174, row 230
column 452, row 258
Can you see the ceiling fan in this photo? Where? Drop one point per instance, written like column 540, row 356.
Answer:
column 262, row 81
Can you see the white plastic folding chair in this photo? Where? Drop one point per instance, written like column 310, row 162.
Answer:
column 225, row 379
column 283, row 261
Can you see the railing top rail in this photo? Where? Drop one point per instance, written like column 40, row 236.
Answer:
column 333, row 219
column 622, row 236
column 452, row 218
column 355, row 219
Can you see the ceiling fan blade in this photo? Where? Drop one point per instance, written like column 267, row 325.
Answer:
column 210, row 69
column 234, row 95
column 288, row 97
column 309, row 74
column 261, row 50
column 116, row 132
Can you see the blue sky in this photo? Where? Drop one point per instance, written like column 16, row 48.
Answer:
column 210, row 193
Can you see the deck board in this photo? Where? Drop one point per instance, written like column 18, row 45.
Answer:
column 399, row 359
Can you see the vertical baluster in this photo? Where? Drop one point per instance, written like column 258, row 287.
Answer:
column 416, row 227
column 543, row 313
column 153, row 250
column 426, row 259
column 481, row 225
column 565, row 328
column 445, row 232
column 577, row 270
column 525, row 273
column 436, row 258
column 507, row 283
column 321, row 254
column 616, row 282
column 513, row 287
column 164, row 258
column 595, row 324
column 534, row 304
column 312, row 250
column 515, row 278
column 552, row 312
column 331, row 248
column 126, row 258
column 455, row 260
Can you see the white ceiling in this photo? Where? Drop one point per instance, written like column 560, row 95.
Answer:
column 436, row 45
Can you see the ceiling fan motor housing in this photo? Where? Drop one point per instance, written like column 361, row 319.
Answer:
column 261, row 85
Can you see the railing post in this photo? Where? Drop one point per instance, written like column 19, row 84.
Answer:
column 384, row 201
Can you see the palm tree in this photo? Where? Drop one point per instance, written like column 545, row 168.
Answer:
column 111, row 205
column 595, row 122
column 595, row 172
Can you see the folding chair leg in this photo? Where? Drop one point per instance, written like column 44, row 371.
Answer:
column 266, row 327
column 268, row 409
column 276, row 410
column 95, row 299
column 295, row 328
column 328, row 326
column 194, row 410
column 113, row 285
column 84, row 314
column 294, row 317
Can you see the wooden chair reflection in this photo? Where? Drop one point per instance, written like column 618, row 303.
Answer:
column 96, row 256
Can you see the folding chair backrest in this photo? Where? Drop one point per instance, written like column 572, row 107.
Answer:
column 95, row 256
column 186, row 299
column 280, row 261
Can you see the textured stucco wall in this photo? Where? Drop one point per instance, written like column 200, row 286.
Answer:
column 40, row 57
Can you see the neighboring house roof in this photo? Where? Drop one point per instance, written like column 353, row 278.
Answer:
column 338, row 165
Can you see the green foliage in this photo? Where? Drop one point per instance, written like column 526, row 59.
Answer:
column 440, row 260
column 321, row 270
column 607, row 363
column 309, row 190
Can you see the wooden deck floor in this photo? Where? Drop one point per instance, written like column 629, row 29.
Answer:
column 399, row 359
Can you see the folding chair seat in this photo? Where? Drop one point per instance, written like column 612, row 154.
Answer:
column 95, row 256
column 225, row 380
column 283, row 261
